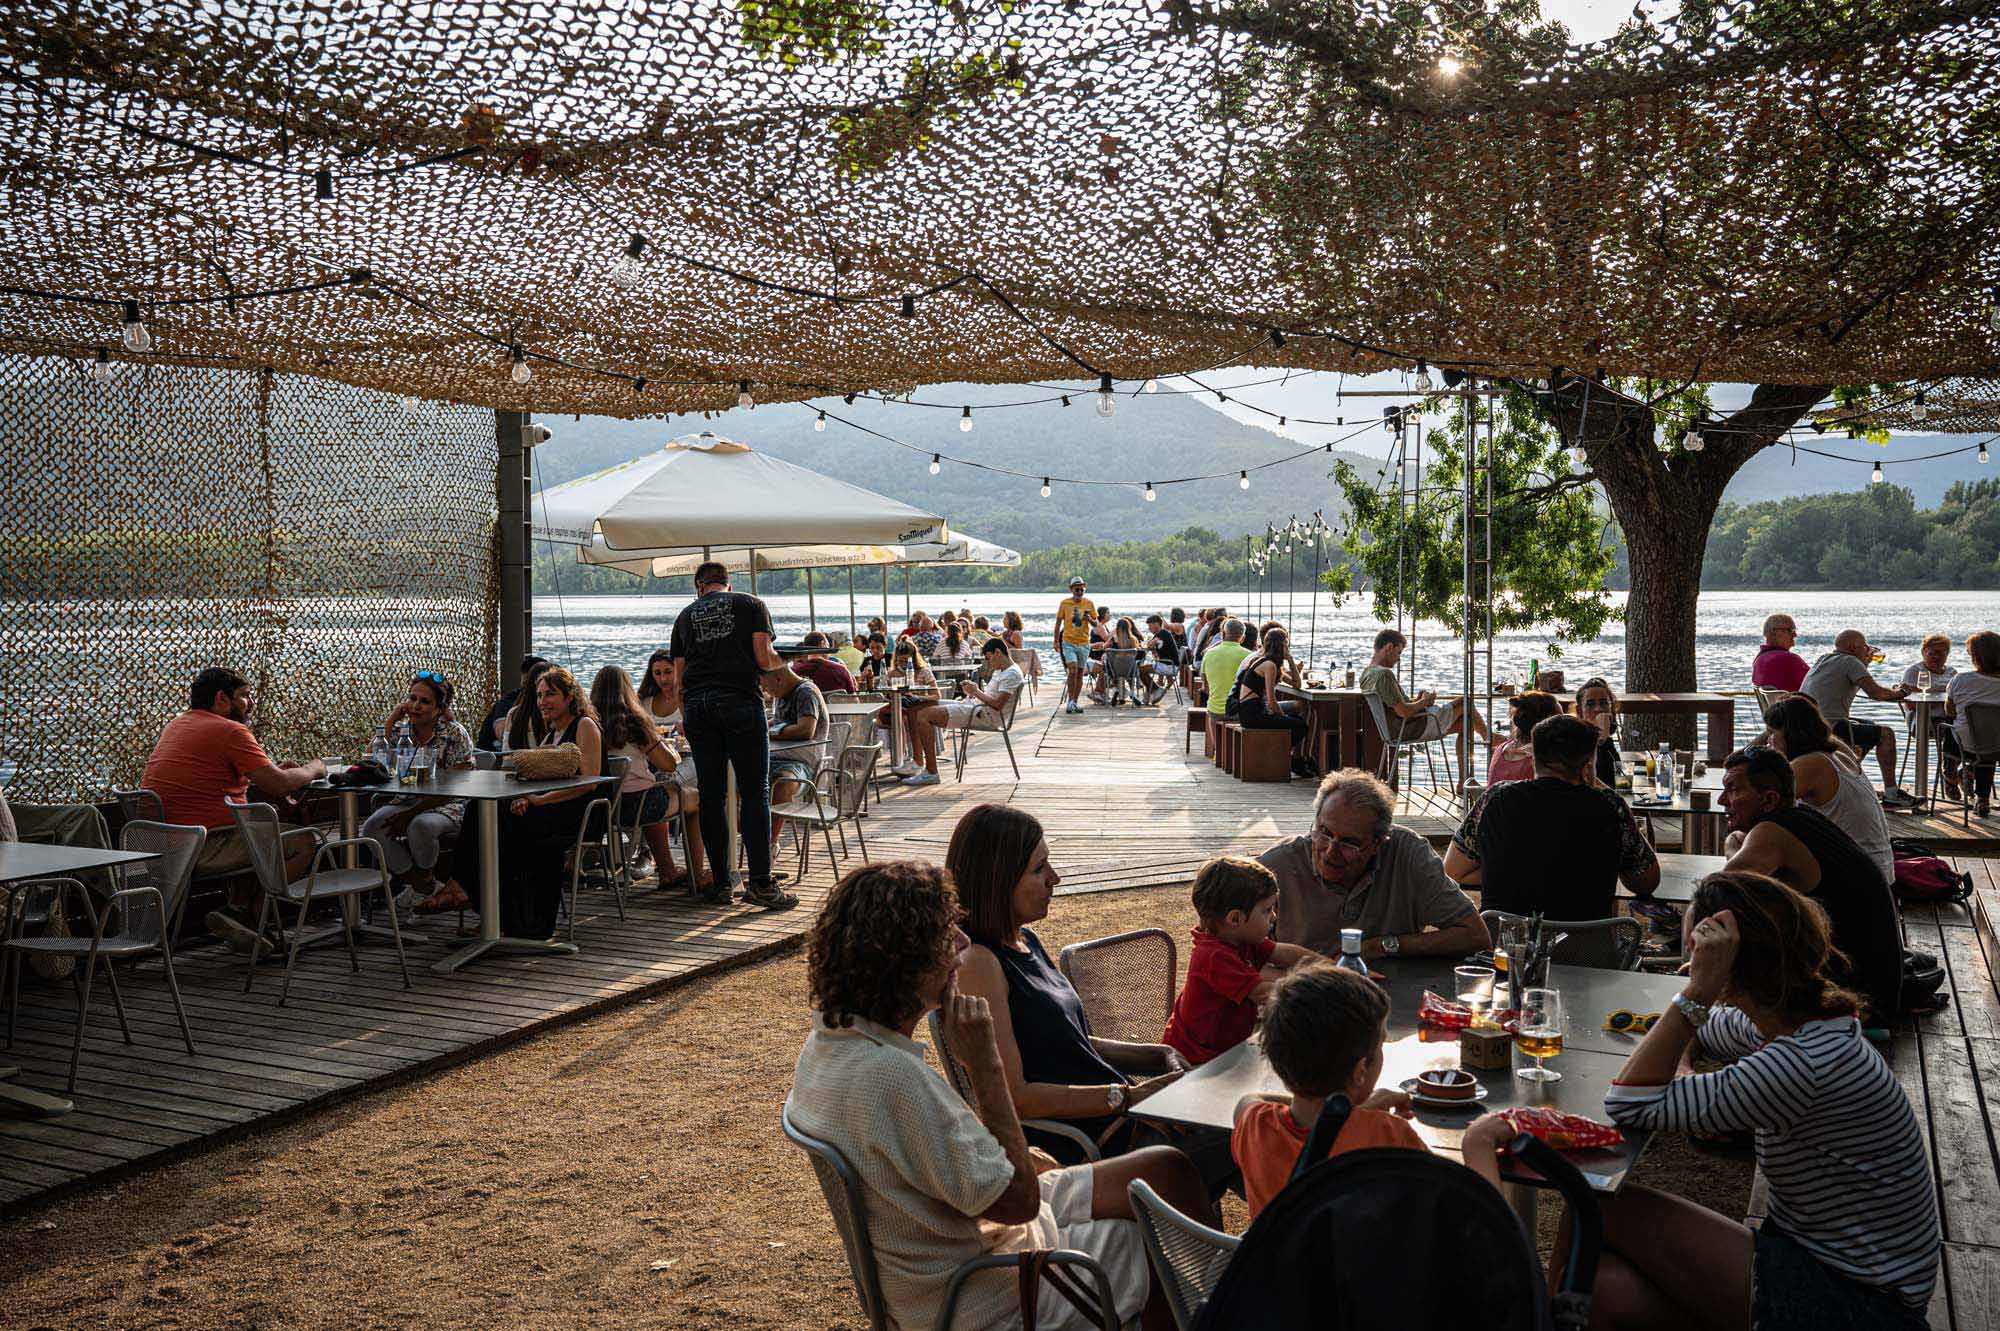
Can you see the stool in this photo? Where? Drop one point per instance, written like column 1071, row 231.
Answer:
column 1197, row 723
column 1263, row 755
column 1327, row 755
column 1227, row 737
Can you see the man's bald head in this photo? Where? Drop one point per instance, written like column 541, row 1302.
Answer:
column 1852, row 641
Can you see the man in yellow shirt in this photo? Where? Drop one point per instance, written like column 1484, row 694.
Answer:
column 1074, row 616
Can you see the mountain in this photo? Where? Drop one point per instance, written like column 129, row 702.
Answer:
column 1153, row 437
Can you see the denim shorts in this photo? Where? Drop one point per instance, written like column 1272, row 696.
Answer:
column 1076, row 654
column 1792, row 1290
column 652, row 805
column 789, row 769
column 1863, row 735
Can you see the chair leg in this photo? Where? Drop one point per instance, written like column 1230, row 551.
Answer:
column 826, row 830
column 396, row 932
column 13, row 992
column 118, row 1000
column 349, row 908
column 174, row 988
column 862, row 837
column 292, row 956
column 1009, row 740
column 82, row 1017
column 264, row 910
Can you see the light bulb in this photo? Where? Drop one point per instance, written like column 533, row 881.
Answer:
column 1150, row 495
column 410, row 403
column 965, row 421
column 1045, row 484
column 136, row 335
column 100, row 369
column 1065, row 398
column 937, row 463
column 743, row 398
column 1152, row 385
column 819, row 422
column 1107, row 401
column 1422, row 383
column 1875, row 477
column 630, row 266
column 520, row 374
column 1578, row 456
column 1243, row 480
column 1982, row 452
column 1694, row 443
column 1920, row 412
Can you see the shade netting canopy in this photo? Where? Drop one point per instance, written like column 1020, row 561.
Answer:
column 702, row 493
column 959, row 549
column 895, row 192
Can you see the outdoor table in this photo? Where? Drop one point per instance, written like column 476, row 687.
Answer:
column 1719, row 708
column 1679, row 873
column 23, row 860
column 1701, row 829
column 1920, row 705
column 1341, row 714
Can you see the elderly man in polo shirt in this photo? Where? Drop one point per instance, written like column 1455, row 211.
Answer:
column 1358, row 870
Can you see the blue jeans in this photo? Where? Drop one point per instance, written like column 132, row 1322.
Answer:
column 727, row 730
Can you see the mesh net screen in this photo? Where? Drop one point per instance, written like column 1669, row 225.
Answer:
column 1784, row 191
column 320, row 539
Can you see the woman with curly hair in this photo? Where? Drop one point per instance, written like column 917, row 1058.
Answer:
column 884, row 952
column 1852, row 1237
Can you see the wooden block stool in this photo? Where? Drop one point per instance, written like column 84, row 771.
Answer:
column 1263, row 755
column 1197, row 724
column 1227, row 734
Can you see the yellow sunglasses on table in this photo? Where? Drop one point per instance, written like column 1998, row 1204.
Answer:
column 1623, row 1022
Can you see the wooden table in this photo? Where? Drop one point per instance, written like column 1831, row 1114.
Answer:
column 23, row 860
column 1679, row 874
column 1719, row 708
column 1207, row 1097
column 1337, row 725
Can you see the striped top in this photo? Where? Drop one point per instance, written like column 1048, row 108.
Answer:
column 1849, row 1176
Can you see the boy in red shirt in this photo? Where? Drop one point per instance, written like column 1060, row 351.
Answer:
column 1234, row 959
column 1323, row 1030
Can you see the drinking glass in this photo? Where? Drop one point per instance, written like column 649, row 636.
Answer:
column 1923, row 681
column 1475, row 985
column 421, row 762
column 1539, row 1033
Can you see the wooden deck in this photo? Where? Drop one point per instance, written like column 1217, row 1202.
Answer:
column 1123, row 807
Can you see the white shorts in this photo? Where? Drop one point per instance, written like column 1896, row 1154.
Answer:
column 961, row 712
column 1114, row 1243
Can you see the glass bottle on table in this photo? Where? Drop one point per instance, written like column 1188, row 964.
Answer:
column 1350, row 958
column 1539, row 1033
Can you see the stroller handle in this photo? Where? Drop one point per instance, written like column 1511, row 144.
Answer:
column 1587, row 1219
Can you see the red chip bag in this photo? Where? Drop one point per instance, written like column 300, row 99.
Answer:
column 1565, row 1132
column 1437, row 1010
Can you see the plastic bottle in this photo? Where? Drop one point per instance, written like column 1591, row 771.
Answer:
column 1534, row 673
column 1663, row 773
column 1350, row 952
column 379, row 749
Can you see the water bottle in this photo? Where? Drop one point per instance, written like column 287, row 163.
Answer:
column 1663, row 774
column 1350, row 953
column 406, row 752
column 379, row 750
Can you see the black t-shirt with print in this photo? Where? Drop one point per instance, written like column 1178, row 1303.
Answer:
column 716, row 637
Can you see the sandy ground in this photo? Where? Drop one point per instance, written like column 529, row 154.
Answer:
column 624, row 1172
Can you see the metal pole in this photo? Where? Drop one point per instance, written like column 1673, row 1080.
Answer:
column 885, row 598
column 812, row 607
column 1249, row 572
column 753, row 571
column 1319, row 550
column 906, row 591
column 1292, row 576
column 517, row 570
column 1466, row 604
column 852, row 631
column 1492, row 410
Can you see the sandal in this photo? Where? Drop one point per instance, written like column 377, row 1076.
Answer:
column 449, row 896
column 682, row 883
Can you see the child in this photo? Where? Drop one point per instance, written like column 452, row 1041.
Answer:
column 1234, row 960
column 1323, row 1030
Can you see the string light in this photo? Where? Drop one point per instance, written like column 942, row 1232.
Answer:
column 136, row 335
column 323, row 185
column 1449, row 66
column 1150, row 495
column 1152, row 385
column 1694, row 443
column 1422, row 382
column 965, row 421
column 629, row 266
column 520, row 374
column 1578, row 456
column 909, row 306
column 819, row 423
column 1107, row 400
column 1045, row 484
column 1982, row 452
column 410, row 403
column 1065, row 398
column 743, row 398
column 937, row 463
column 100, row 369
column 1920, row 412
column 1243, row 477
column 1875, row 477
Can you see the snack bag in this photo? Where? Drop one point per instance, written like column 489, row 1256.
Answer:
column 1437, row 1010
column 1565, row 1132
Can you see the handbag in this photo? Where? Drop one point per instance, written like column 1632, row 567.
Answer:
column 547, row 763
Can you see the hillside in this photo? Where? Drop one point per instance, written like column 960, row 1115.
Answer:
column 1779, row 473
column 1153, row 437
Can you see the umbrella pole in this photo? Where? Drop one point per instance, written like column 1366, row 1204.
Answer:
column 753, row 572
column 812, row 607
column 885, row 595
column 906, row 591
column 852, row 632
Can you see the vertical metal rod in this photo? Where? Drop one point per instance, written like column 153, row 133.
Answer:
column 753, row 571
column 1319, row 549
column 1467, row 606
column 517, row 573
column 906, row 591
column 885, row 599
column 1492, row 410
column 1292, row 579
column 812, row 607
column 852, row 631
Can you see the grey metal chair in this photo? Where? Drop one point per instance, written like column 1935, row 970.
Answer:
column 1982, row 719
column 811, row 807
column 1187, row 1257
column 140, row 805
column 1126, row 983
column 1611, row 944
column 1121, row 676
column 961, row 736
column 145, row 908
column 954, row 1072
column 1394, row 742
column 595, row 860
column 257, row 824
column 848, row 1201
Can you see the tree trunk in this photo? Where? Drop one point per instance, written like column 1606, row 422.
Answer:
column 1666, row 559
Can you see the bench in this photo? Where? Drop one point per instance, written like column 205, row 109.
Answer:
column 1255, row 755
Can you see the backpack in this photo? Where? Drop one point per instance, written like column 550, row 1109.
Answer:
column 1925, row 880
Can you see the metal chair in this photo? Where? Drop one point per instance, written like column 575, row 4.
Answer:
column 146, row 907
column 1187, row 1257
column 1394, row 742
column 1611, row 944
column 851, row 774
column 1767, row 698
column 1982, row 719
column 140, row 805
column 954, row 1072
column 1125, row 981
column 485, row 760
column 961, row 736
column 1121, row 676
column 848, row 1201
column 598, row 844
column 257, row 824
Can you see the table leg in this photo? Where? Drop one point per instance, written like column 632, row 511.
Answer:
column 350, row 909
column 1722, row 732
column 895, row 730
column 1922, row 739
column 487, row 813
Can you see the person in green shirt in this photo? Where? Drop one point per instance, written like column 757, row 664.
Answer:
column 1422, row 717
column 1075, row 614
column 1220, row 663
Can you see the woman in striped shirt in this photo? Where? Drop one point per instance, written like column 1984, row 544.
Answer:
column 1852, row 1237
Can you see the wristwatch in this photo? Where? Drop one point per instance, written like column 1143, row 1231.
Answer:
column 1114, row 1098
column 1391, row 945
column 1696, row 1013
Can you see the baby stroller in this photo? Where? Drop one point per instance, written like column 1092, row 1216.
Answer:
column 1396, row 1238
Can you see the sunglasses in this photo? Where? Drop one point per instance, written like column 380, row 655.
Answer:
column 1624, row 1022
column 431, row 677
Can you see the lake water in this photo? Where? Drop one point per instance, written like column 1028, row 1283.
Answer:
column 586, row 632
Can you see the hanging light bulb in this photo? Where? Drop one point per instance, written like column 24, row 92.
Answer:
column 1578, row 456
column 1150, row 495
column 1243, row 480
column 410, row 403
column 1920, row 412
column 1982, row 452
column 100, row 369
column 937, row 463
column 1875, row 476
column 1045, row 487
column 819, row 422
column 1694, row 443
column 1107, row 400
column 743, row 398
column 965, row 421
column 1422, row 383
column 1152, row 385
column 520, row 374
column 629, row 267
column 1065, row 398
column 136, row 335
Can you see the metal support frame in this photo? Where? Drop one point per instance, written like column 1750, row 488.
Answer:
column 511, row 488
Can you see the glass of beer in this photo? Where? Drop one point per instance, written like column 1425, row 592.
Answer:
column 1540, row 1033
column 1474, row 985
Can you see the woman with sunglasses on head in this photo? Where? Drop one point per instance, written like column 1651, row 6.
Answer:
column 412, row 829
column 1597, row 704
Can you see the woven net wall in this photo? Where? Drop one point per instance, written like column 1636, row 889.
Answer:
column 1797, row 191
column 320, row 539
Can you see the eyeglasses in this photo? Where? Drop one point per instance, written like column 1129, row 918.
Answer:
column 1624, row 1021
column 1346, row 845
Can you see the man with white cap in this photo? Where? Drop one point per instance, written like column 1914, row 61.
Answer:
column 1074, row 616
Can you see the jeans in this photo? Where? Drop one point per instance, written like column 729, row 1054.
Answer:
column 727, row 730
column 1251, row 714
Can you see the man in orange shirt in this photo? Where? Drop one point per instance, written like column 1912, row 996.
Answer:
column 205, row 761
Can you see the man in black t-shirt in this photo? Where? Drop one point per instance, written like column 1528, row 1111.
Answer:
column 1166, row 662
column 721, row 647
column 496, row 715
column 1558, row 844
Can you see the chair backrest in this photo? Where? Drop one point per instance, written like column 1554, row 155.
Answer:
column 838, row 731
column 1025, row 658
column 1187, row 1256
column 1379, row 714
column 176, row 847
column 844, row 1197
column 257, row 824
column 1611, row 944
column 485, row 760
column 856, row 769
column 1767, row 699
column 1982, row 722
column 1007, row 712
column 1121, row 663
column 140, row 805
column 1126, row 982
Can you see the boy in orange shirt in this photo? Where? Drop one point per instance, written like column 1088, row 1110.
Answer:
column 1234, row 961
column 1323, row 1030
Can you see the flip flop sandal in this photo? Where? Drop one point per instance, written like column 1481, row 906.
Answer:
column 683, row 883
